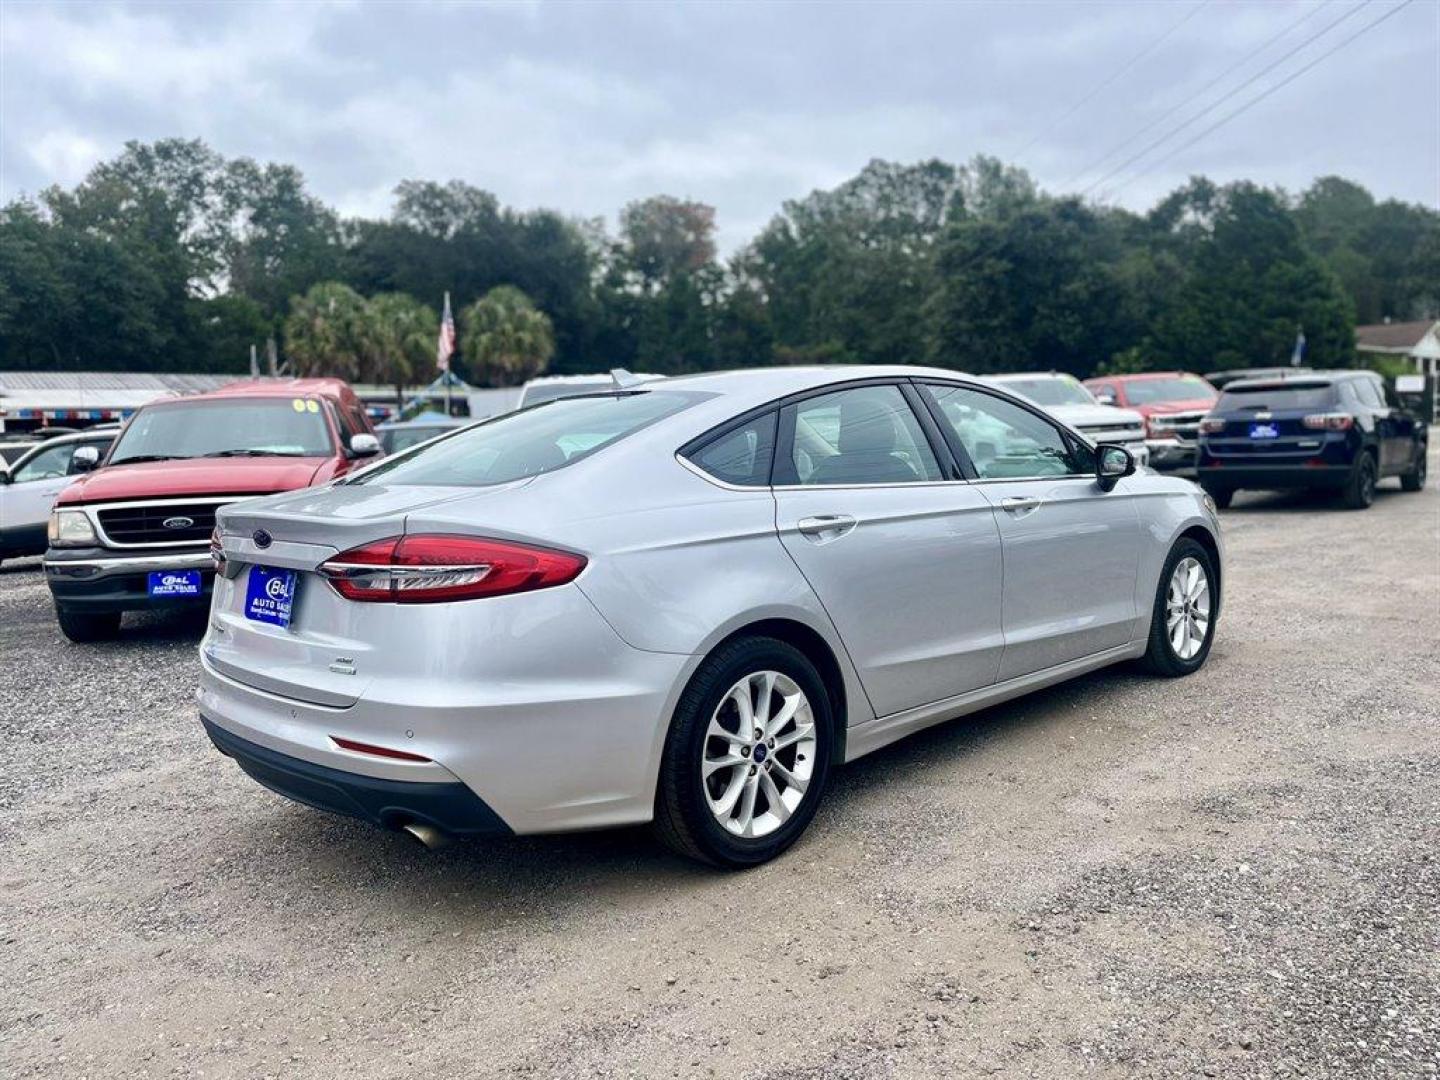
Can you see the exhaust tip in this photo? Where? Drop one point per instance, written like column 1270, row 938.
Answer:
column 428, row 835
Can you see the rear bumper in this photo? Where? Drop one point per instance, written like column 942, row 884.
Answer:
column 98, row 580
column 576, row 749
column 391, row 804
column 1271, row 476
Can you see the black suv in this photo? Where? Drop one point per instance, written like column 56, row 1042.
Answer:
column 1338, row 430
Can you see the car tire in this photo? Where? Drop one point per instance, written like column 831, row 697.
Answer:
column 1166, row 654
column 83, row 627
column 694, row 786
column 1222, row 496
column 1359, row 490
column 1414, row 480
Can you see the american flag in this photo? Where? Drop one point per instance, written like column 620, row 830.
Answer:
column 445, row 348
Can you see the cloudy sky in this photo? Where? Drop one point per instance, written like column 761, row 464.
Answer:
column 584, row 106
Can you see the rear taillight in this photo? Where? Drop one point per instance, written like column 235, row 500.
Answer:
column 431, row 569
column 1330, row 421
column 1210, row 426
column 217, row 552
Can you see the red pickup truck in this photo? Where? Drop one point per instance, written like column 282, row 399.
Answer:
column 134, row 533
column 1172, row 402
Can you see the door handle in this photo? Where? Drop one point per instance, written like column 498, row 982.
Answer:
column 1016, row 503
column 826, row 525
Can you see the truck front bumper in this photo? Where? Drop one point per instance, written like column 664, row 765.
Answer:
column 99, row 580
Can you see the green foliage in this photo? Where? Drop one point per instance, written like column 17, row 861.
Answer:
column 505, row 339
column 327, row 332
column 171, row 257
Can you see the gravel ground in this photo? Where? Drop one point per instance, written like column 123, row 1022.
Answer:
column 1236, row 874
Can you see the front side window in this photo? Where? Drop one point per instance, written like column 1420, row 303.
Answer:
column 529, row 442
column 1002, row 439
column 741, row 456
column 863, row 435
column 46, row 465
column 273, row 427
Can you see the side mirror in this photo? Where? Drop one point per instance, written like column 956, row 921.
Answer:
column 1112, row 464
column 1105, row 397
column 84, row 459
column 4, row 475
column 364, row 445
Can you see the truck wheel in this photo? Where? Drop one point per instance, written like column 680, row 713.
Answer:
column 1359, row 490
column 1414, row 480
column 83, row 627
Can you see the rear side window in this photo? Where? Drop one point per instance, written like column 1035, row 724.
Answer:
column 862, row 435
column 530, row 442
column 1287, row 395
column 742, row 455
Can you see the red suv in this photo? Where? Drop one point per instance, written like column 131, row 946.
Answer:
column 1172, row 402
column 135, row 533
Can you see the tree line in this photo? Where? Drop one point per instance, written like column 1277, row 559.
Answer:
column 171, row 257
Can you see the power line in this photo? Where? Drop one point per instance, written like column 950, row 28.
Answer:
column 1270, row 90
column 1309, row 13
column 1114, row 77
column 1133, row 158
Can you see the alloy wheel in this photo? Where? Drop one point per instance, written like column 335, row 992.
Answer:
column 1187, row 608
column 759, row 754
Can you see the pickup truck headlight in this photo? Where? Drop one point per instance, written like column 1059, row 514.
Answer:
column 71, row 528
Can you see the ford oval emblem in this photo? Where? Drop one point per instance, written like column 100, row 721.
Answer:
column 262, row 538
column 178, row 523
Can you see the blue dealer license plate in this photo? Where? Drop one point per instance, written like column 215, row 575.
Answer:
column 1264, row 431
column 270, row 595
column 162, row 583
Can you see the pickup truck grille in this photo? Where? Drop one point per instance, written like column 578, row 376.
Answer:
column 165, row 523
column 1112, row 434
column 1186, row 425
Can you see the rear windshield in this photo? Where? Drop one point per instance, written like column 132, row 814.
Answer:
column 542, row 392
column 236, row 427
column 1289, row 395
column 1179, row 388
column 529, row 442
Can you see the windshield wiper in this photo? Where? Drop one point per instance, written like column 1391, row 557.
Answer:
column 253, row 453
column 150, row 457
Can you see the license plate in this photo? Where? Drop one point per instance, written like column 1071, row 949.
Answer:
column 164, row 583
column 270, row 595
column 1264, row 431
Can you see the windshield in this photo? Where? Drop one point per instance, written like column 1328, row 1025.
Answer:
column 527, row 443
column 1179, row 388
column 280, row 427
column 1285, row 396
column 1049, row 390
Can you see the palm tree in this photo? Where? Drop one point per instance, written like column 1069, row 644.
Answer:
column 324, row 331
column 398, row 341
column 506, row 339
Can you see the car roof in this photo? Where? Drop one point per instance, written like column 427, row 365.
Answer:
column 336, row 389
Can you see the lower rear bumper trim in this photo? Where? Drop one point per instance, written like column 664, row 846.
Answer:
column 451, row 807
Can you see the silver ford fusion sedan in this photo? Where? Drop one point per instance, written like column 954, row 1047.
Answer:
column 686, row 602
